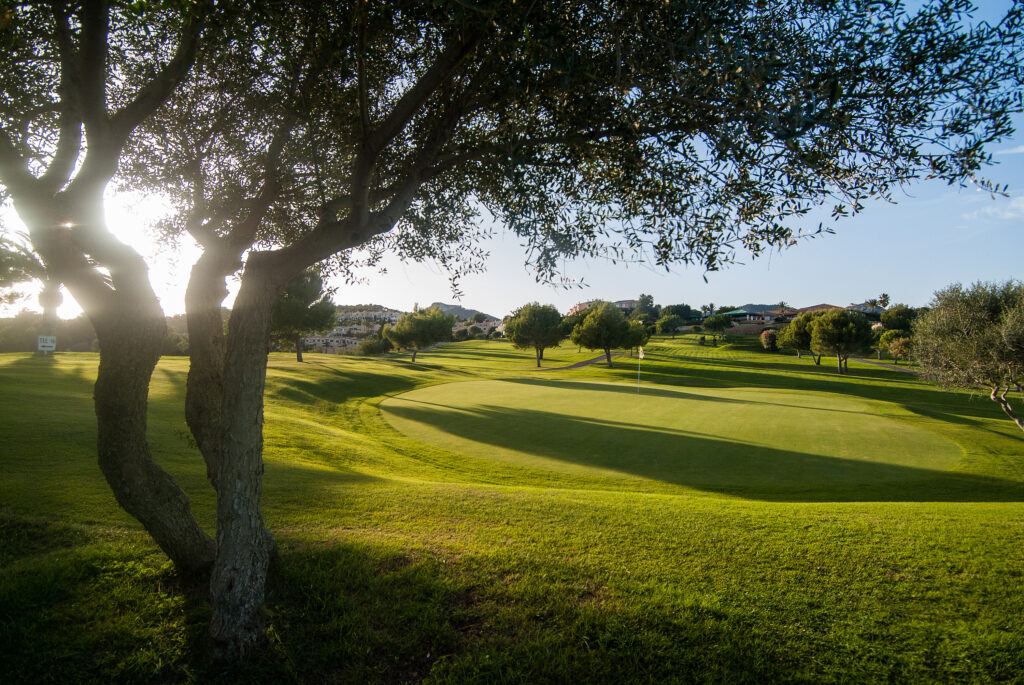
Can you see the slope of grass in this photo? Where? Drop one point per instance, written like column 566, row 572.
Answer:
column 751, row 517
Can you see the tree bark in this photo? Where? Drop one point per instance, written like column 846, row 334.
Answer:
column 237, row 587
column 129, row 350
column 1005, row 404
column 298, row 347
column 608, row 356
column 839, row 360
column 540, row 353
column 414, row 356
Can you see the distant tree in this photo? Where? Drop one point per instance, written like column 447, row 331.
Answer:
column 840, row 332
column 899, row 317
column 479, row 317
column 769, row 340
column 974, row 337
column 302, row 307
column 797, row 335
column 668, row 323
column 695, row 329
column 645, row 310
column 603, row 328
column 637, row 335
column 420, row 328
column 877, row 328
column 883, row 299
column 475, row 331
column 535, row 325
column 717, row 325
column 19, row 264
column 683, row 311
column 725, row 308
column 898, row 345
column 460, row 335
column 783, row 306
column 872, row 304
column 373, row 346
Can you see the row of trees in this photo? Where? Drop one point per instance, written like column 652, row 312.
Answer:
column 602, row 326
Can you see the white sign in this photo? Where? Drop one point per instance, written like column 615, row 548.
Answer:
column 47, row 343
column 641, row 352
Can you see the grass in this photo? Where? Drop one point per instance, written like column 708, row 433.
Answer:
column 747, row 517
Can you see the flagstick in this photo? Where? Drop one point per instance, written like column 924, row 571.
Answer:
column 639, row 358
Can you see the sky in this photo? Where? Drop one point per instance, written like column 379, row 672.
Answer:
column 934, row 236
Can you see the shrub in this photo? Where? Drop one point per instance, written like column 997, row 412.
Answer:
column 769, row 340
column 702, row 340
column 374, row 346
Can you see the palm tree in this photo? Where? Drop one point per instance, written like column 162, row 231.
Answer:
column 883, row 300
column 783, row 306
column 19, row 264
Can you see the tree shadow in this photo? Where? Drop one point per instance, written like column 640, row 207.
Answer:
column 706, row 463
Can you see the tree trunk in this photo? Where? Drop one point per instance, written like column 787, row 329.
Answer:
column 1005, row 404
column 608, row 356
column 817, row 359
column 540, row 353
column 799, row 354
column 129, row 350
column 839, row 360
column 414, row 356
column 238, row 625
column 298, row 347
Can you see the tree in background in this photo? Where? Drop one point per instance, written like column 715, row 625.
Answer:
column 883, row 300
column 420, row 328
column 769, row 340
column 840, row 332
column 636, row 335
column 603, row 328
column 797, row 335
column 783, row 306
column 19, row 264
column 683, row 311
column 645, row 311
column 877, row 328
column 974, row 338
column 668, row 324
column 899, row 317
column 535, row 325
column 302, row 307
column 690, row 130
column 717, row 325
column 898, row 344
column 479, row 317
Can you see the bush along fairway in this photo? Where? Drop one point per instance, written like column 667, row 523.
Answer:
column 737, row 516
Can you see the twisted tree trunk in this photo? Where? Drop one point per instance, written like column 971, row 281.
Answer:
column 1000, row 398
column 238, row 624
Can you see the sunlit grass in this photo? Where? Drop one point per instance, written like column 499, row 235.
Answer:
column 751, row 517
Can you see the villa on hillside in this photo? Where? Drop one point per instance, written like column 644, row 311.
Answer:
column 866, row 308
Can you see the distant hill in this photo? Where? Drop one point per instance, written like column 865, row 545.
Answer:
column 460, row 312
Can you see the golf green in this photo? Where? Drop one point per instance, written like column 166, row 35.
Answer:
column 754, row 442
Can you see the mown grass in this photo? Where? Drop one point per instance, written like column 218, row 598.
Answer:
column 750, row 517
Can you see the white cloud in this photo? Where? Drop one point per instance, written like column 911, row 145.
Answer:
column 1019, row 150
column 1002, row 208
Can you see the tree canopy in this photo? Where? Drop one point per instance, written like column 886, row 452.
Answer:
column 603, row 328
column 537, row 326
column 974, row 337
column 287, row 134
column 419, row 329
column 840, row 332
column 302, row 307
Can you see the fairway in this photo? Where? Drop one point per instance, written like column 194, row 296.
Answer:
column 762, row 443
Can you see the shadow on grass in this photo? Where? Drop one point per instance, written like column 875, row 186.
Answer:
column 706, row 463
column 358, row 613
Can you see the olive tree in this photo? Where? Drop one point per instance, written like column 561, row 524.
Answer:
column 302, row 307
column 974, row 337
column 289, row 134
column 537, row 326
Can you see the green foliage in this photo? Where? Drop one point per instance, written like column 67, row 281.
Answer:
column 636, row 335
column 374, row 346
column 899, row 317
column 419, row 329
column 840, row 332
column 535, row 326
column 717, row 324
column 974, row 337
column 479, row 317
column 797, row 335
column 603, row 328
column 303, row 307
column 684, row 311
column 769, row 340
column 175, row 344
column 668, row 323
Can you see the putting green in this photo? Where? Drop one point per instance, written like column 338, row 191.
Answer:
column 745, row 441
